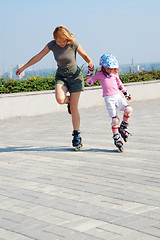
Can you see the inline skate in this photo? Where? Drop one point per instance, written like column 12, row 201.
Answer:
column 123, row 131
column 69, row 108
column 68, row 105
column 118, row 142
column 77, row 140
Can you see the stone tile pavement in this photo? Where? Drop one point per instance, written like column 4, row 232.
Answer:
column 48, row 191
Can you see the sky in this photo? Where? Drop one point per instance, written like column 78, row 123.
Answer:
column 128, row 29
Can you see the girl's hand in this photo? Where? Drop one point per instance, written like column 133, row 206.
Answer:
column 127, row 96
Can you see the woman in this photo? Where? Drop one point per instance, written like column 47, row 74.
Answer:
column 68, row 75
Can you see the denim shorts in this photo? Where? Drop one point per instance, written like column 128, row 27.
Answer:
column 71, row 78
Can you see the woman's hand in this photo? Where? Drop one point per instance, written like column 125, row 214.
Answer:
column 19, row 71
column 91, row 66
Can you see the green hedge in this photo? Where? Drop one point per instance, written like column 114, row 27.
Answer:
column 48, row 83
column 28, row 85
column 141, row 76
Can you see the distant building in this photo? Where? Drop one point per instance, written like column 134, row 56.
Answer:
column 22, row 74
column 13, row 69
column 132, row 62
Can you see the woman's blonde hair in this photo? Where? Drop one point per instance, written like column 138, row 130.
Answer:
column 109, row 70
column 63, row 33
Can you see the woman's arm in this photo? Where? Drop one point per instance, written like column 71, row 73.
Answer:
column 34, row 60
column 84, row 55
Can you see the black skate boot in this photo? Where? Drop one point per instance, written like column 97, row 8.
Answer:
column 69, row 109
column 77, row 140
column 123, row 131
column 118, row 142
column 68, row 106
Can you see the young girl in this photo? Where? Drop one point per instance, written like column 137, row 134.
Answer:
column 68, row 76
column 111, row 84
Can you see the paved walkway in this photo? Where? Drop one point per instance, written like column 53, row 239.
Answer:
column 48, row 191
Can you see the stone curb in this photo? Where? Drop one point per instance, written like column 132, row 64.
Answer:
column 39, row 103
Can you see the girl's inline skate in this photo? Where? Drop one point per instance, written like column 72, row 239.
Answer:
column 123, row 131
column 118, row 142
column 77, row 140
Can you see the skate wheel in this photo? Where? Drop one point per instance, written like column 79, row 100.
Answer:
column 121, row 149
column 79, row 147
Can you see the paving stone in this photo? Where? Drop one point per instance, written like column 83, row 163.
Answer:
column 49, row 191
column 8, row 235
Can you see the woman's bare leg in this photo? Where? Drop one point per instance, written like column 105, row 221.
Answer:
column 74, row 99
column 61, row 98
column 61, row 92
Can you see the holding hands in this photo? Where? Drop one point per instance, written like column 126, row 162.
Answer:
column 91, row 66
column 89, row 75
column 90, row 71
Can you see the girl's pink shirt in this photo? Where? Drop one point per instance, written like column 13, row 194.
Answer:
column 110, row 85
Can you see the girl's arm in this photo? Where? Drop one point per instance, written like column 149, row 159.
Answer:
column 34, row 60
column 120, row 84
column 123, row 89
column 84, row 55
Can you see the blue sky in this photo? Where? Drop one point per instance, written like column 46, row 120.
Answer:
column 125, row 28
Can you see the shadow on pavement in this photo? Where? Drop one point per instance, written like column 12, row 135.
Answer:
column 54, row 149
